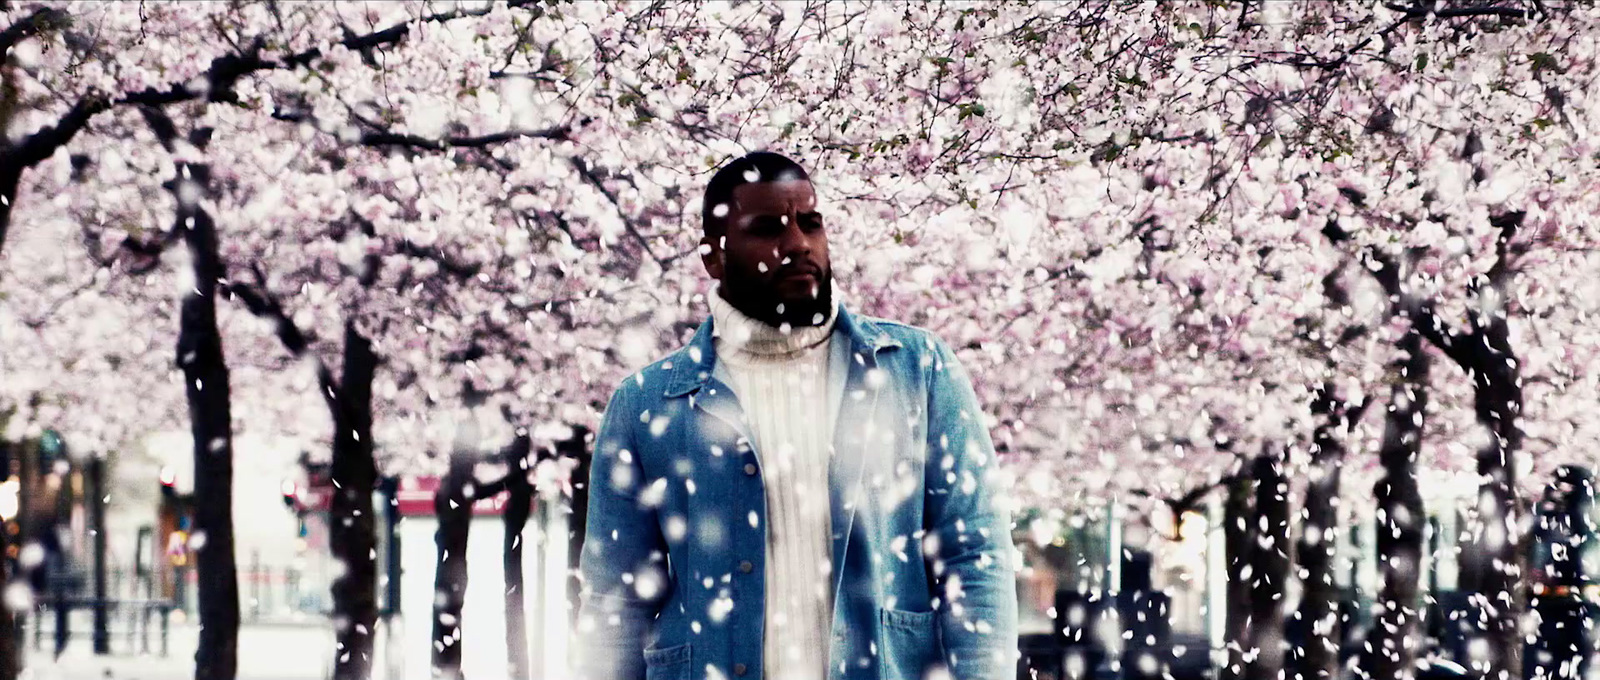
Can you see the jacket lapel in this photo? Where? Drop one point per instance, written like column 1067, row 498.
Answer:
column 694, row 378
column 854, row 405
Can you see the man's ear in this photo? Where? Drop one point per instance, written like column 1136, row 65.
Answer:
column 711, row 255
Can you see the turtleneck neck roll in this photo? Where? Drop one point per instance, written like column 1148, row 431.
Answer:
column 742, row 338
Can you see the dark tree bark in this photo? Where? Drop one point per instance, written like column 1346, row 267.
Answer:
column 1319, row 613
column 1493, row 563
column 10, row 177
column 1270, row 562
column 1401, row 520
column 205, row 375
column 577, row 447
column 1237, row 533
column 1497, row 401
column 10, row 664
column 1319, row 603
column 353, row 532
column 452, row 504
column 97, row 498
column 518, row 508
column 30, row 150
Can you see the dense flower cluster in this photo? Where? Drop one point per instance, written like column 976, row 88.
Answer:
column 1117, row 213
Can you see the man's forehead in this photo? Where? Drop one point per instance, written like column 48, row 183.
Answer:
column 797, row 194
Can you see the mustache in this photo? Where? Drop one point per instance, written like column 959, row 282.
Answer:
column 796, row 269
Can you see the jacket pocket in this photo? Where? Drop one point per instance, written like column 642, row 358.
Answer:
column 910, row 644
column 672, row 663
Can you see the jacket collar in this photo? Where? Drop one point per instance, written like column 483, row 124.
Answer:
column 692, row 367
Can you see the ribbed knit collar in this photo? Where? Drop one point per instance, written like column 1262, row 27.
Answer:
column 738, row 333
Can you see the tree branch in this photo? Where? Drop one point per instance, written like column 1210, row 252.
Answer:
column 43, row 143
column 223, row 73
column 398, row 32
column 261, row 302
column 594, row 180
column 1508, row 224
column 1426, row 10
column 1422, row 313
column 378, row 137
column 460, row 270
column 41, row 20
column 38, row 321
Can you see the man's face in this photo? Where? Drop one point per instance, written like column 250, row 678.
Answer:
column 773, row 260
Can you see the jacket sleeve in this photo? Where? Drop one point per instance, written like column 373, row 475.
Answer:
column 623, row 562
column 968, row 541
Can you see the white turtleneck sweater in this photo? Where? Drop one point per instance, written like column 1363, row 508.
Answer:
column 781, row 381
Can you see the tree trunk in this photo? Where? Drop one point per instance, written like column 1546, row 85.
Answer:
column 353, row 533
column 452, row 504
column 97, row 498
column 1319, row 603
column 1499, row 402
column 1270, row 562
column 10, row 663
column 518, row 507
column 1494, row 564
column 205, row 374
column 1237, row 533
column 1401, row 518
column 578, row 520
column 10, row 179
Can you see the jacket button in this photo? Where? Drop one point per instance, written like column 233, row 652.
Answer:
column 750, row 469
column 739, row 669
column 746, row 566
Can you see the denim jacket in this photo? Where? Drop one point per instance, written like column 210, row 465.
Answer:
column 923, row 563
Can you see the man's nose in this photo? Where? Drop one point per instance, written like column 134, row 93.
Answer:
column 794, row 242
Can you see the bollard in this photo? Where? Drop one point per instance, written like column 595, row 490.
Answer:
column 166, row 611
column 19, row 636
column 144, row 628
column 255, row 585
column 63, row 627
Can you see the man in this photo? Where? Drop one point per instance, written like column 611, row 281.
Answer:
column 799, row 493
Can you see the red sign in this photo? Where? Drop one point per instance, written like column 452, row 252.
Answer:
column 313, row 499
column 416, row 498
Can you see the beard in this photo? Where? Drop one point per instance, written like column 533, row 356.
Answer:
column 758, row 297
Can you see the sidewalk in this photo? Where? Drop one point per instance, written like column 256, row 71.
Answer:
column 282, row 651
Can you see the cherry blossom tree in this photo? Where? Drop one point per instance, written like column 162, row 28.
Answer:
column 1161, row 212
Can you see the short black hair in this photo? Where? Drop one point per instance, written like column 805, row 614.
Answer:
column 757, row 166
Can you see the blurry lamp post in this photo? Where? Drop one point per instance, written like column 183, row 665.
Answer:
column 98, row 497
